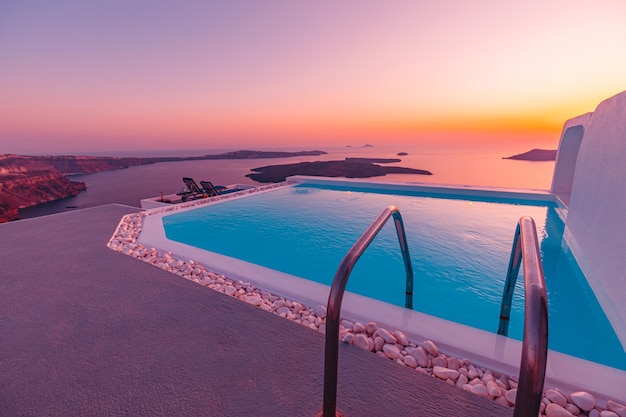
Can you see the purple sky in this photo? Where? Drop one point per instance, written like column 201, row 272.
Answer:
column 80, row 76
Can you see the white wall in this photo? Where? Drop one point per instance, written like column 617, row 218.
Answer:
column 595, row 228
column 569, row 145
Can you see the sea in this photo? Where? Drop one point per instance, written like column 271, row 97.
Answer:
column 462, row 163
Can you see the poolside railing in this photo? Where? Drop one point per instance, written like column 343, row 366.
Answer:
column 535, row 344
column 335, row 298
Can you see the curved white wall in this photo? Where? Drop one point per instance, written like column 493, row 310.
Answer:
column 595, row 227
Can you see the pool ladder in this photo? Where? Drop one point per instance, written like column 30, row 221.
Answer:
column 534, row 346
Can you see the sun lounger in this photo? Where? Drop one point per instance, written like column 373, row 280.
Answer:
column 210, row 189
column 193, row 190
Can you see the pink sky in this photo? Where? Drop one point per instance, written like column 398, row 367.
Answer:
column 80, row 76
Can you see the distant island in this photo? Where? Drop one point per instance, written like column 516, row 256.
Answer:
column 402, row 154
column 374, row 160
column 535, row 155
column 349, row 168
column 30, row 180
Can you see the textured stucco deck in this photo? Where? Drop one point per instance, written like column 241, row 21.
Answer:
column 88, row 331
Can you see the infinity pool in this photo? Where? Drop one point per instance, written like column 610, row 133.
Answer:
column 459, row 246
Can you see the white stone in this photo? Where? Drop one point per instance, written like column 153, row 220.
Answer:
column 462, row 380
column 501, row 384
column 476, row 381
column 480, row 390
column 371, row 327
column 510, row 395
column 556, row 397
column 616, row 407
column 378, row 343
column 430, row 347
column 453, row 363
column 361, row 342
column 502, row 401
column 419, row 355
column 253, row 299
column 607, row 413
column 320, row 311
column 594, row 413
column 445, row 373
column 283, row 309
column 297, row 308
column 555, row 410
column 439, row 361
column 487, row 376
column 572, row 409
column 583, row 400
column 358, row 328
column 348, row 338
column 401, row 337
column 387, row 337
column 410, row 361
column 391, row 351
column 493, row 389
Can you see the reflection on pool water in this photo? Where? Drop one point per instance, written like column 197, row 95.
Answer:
column 459, row 246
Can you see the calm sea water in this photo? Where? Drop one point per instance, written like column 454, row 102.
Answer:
column 462, row 163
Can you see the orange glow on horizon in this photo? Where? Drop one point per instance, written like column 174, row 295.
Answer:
column 98, row 76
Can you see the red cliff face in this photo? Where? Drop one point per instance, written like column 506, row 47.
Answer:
column 24, row 183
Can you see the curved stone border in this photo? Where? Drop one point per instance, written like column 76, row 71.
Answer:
column 393, row 345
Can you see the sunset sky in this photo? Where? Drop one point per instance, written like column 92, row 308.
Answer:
column 87, row 76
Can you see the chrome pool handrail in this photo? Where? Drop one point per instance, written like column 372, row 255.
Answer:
column 337, row 290
column 535, row 344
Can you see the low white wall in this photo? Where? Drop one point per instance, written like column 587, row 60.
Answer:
column 596, row 221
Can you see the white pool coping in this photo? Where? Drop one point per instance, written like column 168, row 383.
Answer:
column 493, row 351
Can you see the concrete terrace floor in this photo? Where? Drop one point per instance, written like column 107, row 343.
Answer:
column 88, row 331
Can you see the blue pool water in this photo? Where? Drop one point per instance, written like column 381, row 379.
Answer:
column 459, row 246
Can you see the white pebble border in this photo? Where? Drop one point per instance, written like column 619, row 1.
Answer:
column 393, row 345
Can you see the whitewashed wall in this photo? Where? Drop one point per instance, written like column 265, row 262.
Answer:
column 595, row 229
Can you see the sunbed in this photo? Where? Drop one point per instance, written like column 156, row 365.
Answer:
column 210, row 189
column 193, row 191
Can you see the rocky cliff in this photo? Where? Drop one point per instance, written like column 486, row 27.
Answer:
column 29, row 180
column 25, row 182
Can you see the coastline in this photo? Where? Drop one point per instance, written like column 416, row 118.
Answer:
column 32, row 180
column 466, row 164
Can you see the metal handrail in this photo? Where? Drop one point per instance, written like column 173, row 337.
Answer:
column 535, row 344
column 335, row 298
